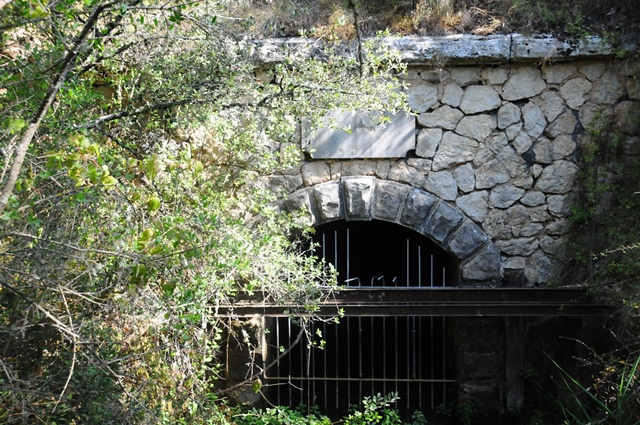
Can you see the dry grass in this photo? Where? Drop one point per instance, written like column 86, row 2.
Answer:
column 324, row 18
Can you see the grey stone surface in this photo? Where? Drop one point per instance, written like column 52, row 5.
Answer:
column 388, row 199
column 444, row 117
column 513, row 131
column 526, row 230
column 465, row 76
column 475, row 205
column 484, row 266
column 442, row 184
column 518, row 246
column 592, row 70
column 300, row 201
column 551, row 104
column 524, row 82
column 327, row 199
column 403, row 173
column 558, row 73
column 575, row 92
column 564, row 124
column 466, row 240
column 477, row 127
column 557, row 178
column 465, row 177
column 443, row 221
column 559, row 205
column 358, row 193
column 542, row 151
column 534, row 120
column 608, row 89
column 416, row 209
column 422, row 97
column 366, row 139
column 491, row 174
column 504, row 196
column 452, row 95
column 540, row 268
column 533, row 198
column 508, row 114
column 626, row 116
column 479, row 99
column 427, row 142
column 315, row 172
column 453, row 150
column 562, row 147
column 285, row 184
column 494, row 76
column 522, row 142
column 558, row 227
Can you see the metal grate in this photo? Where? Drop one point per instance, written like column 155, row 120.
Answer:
column 363, row 356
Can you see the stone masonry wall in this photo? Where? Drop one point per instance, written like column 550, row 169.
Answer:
column 496, row 146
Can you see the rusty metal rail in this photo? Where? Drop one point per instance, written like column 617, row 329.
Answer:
column 442, row 301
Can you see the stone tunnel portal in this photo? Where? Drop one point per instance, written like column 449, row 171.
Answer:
column 363, row 356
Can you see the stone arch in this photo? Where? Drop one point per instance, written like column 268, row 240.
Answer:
column 369, row 198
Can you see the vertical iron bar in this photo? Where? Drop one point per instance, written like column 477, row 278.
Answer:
column 384, row 354
column 420, row 362
column 337, row 368
column 324, row 355
column 419, row 266
column 408, row 362
column 290, row 359
column 395, row 319
column 359, row 359
column 348, row 360
column 278, row 373
column 348, row 255
column 431, row 374
column 408, row 271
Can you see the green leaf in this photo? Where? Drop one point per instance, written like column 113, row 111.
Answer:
column 153, row 204
column 14, row 125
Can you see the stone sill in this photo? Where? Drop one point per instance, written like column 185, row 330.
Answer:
column 456, row 49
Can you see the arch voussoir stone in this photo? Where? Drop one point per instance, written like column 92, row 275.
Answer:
column 368, row 198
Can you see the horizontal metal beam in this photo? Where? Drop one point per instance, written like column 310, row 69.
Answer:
column 434, row 302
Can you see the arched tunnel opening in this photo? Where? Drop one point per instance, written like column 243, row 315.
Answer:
column 335, row 365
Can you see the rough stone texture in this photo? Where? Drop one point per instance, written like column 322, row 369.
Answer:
column 452, row 95
column 518, row 246
column 494, row 76
column 498, row 154
column 491, row 174
column 608, row 89
column 477, row 127
column 551, row 104
column 422, row 97
column 505, row 196
column 301, row 202
column 444, row 220
column 467, row 239
column 442, row 184
column 465, row 178
column 327, row 197
column 484, row 266
column 417, row 208
column 444, row 117
column 454, row 150
column 542, row 151
column 465, row 75
column 427, row 142
column 558, row 177
column 627, row 117
column 479, row 99
column 534, row 120
column 475, row 205
column 358, row 192
column 523, row 83
column 533, row 198
column 403, row 173
column 575, row 92
column 564, row 124
column 557, row 73
column 508, row 114
column 388, row 199
column 315, row 172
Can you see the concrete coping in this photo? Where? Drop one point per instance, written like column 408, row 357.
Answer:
column 454, row 49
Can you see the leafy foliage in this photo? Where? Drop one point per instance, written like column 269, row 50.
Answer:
column 142, row 202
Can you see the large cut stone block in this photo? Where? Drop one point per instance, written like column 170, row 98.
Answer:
column 444, row 220
column 388, row 199
column 416, row 208
column 468, row 239
column 357, row 135
column 358, row 192
column 327, row 197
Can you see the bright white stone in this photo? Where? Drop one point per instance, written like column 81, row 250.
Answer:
column 575, row 92
column 479, row 99
column 524, row 82
column 508, row 114
column 442, row 184
column 427, row 142
column 477, row 127
column 454, row 149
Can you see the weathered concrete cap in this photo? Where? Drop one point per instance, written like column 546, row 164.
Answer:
column 452, row 49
